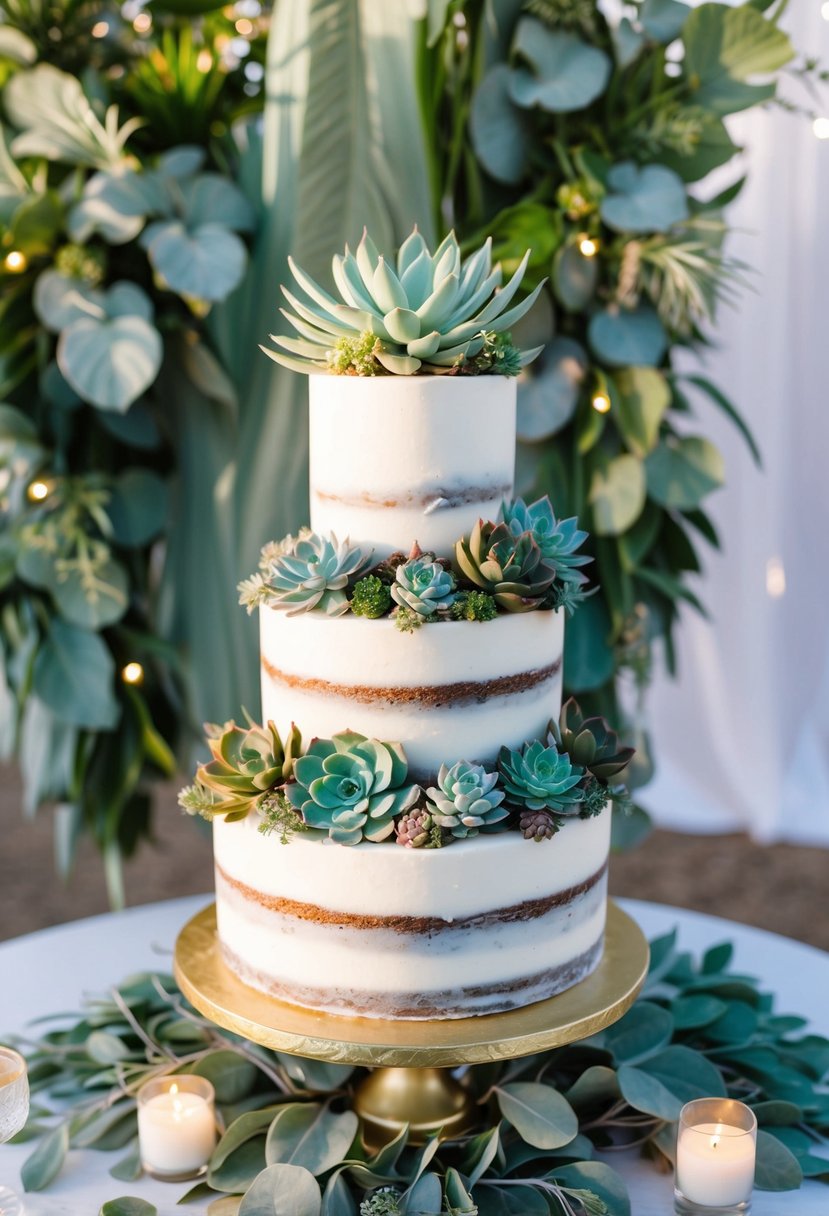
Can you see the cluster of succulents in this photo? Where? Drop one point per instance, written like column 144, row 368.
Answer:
column 593, row 745
column 306, row 573
column 352, row 787
column 465, row 799
column 512, row 569
column 248, row 766
column 428, row 312
column 558, row 539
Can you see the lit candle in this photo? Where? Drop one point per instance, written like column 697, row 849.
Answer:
column 715, row 1154
column 176, row 1126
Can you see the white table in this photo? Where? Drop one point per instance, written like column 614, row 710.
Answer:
column 48, row 972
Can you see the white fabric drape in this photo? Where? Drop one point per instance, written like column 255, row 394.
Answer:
column 742, row 738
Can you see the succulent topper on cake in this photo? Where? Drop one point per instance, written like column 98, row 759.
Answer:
column 430, row 313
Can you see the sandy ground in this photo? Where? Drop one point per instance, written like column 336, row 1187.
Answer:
column 782, row 888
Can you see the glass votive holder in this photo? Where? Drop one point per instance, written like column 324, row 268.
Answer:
column 176, row 1127
column 715, row 1153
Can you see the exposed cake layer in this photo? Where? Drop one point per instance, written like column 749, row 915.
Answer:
column 398, row 459
column 382, row 931
column 452, row 690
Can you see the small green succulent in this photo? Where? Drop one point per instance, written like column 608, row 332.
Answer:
column 423, row 585
column 352, row 787
column 312, row 572
column 465, row 799
column 430, row 312
column 512, row 569
column 247, row 765
column 557, row 539
column 473, row 606
column 589, row 742
column 371, row 597
column 539, row 778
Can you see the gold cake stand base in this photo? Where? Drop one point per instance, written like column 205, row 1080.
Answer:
column 410, row 1085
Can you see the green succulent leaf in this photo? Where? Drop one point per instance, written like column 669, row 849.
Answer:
column 559, row 72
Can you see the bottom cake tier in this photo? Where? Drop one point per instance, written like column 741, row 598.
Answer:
column 376, row 930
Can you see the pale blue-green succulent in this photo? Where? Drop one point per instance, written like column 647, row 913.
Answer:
column 558, row 539
column 465, row 799
column 305, row 573
column 540, row 778
column 431, row 312
column 423, row 585
column 352, row 787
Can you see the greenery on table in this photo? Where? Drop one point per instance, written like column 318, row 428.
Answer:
column 548, row 1123
column 556, row 129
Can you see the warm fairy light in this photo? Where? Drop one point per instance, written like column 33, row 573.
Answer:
column 588, row 248
column 600, row 403
column 775, row 578
column 15, row 261
column 133, row 673
column 244, row 27
column 824, row 10
column 100, row 29
column 821, row 128
column 204, row 60
column 142, row 23
column 37, row 491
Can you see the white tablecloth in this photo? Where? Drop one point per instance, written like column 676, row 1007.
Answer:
column 48, row 972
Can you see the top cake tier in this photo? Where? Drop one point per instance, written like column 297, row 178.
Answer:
column 398, row 459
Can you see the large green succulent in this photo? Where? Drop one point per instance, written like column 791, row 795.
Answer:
column 247, row 765
column 352, row 787
column 540, row 778
column 558, row 539
column 423, row 585
column 589, row 742
column 465, row 799
column 304, row 573
column 510, row 568
column 430, row 313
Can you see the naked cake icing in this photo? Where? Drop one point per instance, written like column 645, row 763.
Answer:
column 416, row 832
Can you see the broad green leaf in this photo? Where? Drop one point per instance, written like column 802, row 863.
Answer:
column 92, row 598
column 777, row 1114
column 549, row 391
column 724, row 48
column 206, row 262
column 213, row 199
column 59, row 300
column 128, row 1205
column 481, row 1151
column 539, row 1113
column 641, row 1032
column 630, row 826
column 137, row 428
column 599, row 1178
column 647, row 199
column 129, row 1168
column 597, row 1084
column 425, row 1198
column 36, row 565
column 588, row 656
column 627, row 41
column 106, row 1048
column 73, row 675
column 137, row 507
column 231, row 1075
column 621, row 337
column 617, row 494
column 228, row 1205
column 280, row 1190
column 574, row 278
column 498, row 129
column 644, row 396
column 663, row 19
column 558, row 71
column 662, row 1084
column 681, row 472
column 777, row 1168
column 117, row 205
column 238, row 1169
column 35, row 224
column 737, row 1024
column 310, row 1135
column 252, row 1123
column 315, row 1074
column 458, row 1199
column 695, row 1011
column 44, row 1164
column 713, row 147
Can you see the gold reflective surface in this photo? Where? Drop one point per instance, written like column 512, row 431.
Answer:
column 583, row 1010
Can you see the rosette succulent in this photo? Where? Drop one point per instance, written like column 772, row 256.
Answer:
column 558, row 539
column 428, row 312
column 510, row 568
column 417, row 829
column 311, row 572
column 465, row 799
column 352, row 787
column 247, row 765
column 589, row 742
column 423, row 585
column 540, row 778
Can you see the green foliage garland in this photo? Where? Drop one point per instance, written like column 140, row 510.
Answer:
column 547, row 1124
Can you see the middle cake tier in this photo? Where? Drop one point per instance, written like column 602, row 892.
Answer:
column 448, row 691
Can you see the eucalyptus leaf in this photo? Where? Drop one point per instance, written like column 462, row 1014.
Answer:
column 559, row 72
column 92, row 598
column 549, row 391
column 74, row 674
column 777, row 1168
column 425, row 1197
column 574, row 278
column 106, row 1048
column 44, row 1164
column 649, row 198
column 663, row 19
column 617, row 494
column 621, row 337
column 724, row 48
column 280, row 1190
column 599, row 1178
column 596, row 1084
column 681, row 472
column 128, row 1205
column 643, row 397
column 642, row 1031
column 697, row 1010
column 337, row 1199
column 137, row 428
column 129, row 1168
column 137, row 507
column 230, row 1073
column 628, row 41
column 203, row 263
column 498, row 129
column 311, row 1135
column 713, row 147
column 540, row 1114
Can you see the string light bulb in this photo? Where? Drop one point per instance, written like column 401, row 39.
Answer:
column 142, row 23
column 600, row 402
column 132, row 673
column 588, row 246
column 821, row 128
column 100, row 29
column 15, row 261
column 37, row 491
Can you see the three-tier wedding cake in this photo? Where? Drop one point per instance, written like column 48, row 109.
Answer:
column 377, row 857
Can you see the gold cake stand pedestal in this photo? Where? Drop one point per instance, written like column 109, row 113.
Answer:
column 410, row 1084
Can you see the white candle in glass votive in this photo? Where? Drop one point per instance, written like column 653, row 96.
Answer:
column 176, row 1126
column 715, row 1153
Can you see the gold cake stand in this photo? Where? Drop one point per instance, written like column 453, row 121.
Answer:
column 410, row 1084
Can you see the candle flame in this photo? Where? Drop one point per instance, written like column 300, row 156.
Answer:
column 174, row 1088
